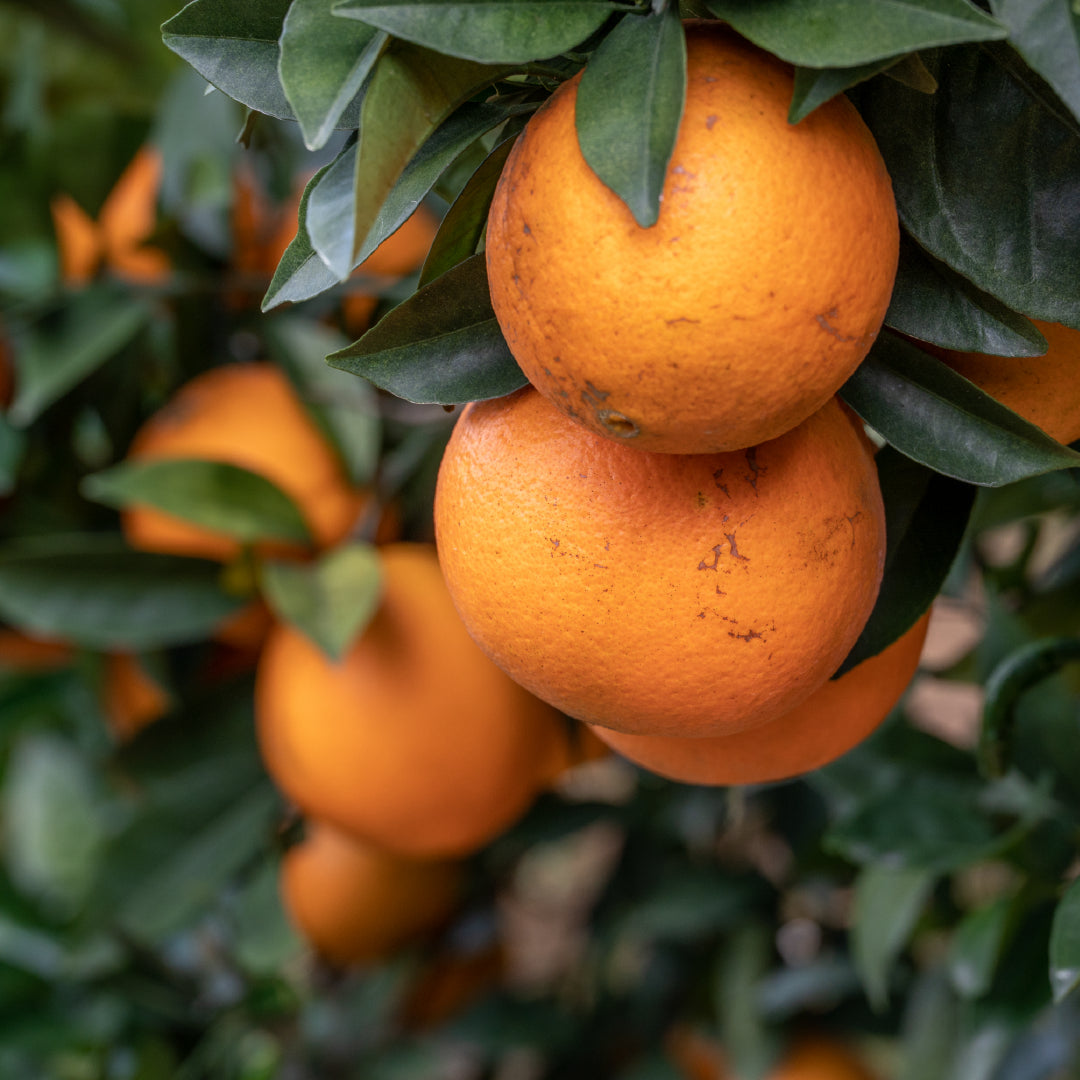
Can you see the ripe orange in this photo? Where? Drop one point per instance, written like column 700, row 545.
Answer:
column 415, row 740
column 355, row 903
column 128, row 217
column 834, row 718
column 659, row 594
column 750, row 301
column 698, row 1057
column 1043, row 389
column 247, row 415
column 131, row 699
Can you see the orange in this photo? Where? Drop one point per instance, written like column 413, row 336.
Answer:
column 698, row 1057
column 355, row 903
column 1043, row 389
column 131, row 699
column 834, row 718
column 247, row 415
column 415, row 740
column 659, row 594
column 744, row 308
column 128, row 217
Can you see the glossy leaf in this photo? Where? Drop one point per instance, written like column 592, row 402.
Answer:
column 933, row 303
column 1065, row 944
column 1046, row 33
column 926, row 515
column 888, row 902
column 410, row 93
column 441, row 345
column 329, row 601
column 815, row 86
column 1010, row 229
column 977, row 945
column 94, row 591
column 234, row 45
column 59, row 353
column 489, row 31
column 629, row 106
column 463, row 225
column 213, row 494
column 843, row 33
column 319, row 92
column 932, row 414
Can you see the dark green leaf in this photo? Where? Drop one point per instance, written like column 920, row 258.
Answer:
column 95, row 591
column 1010, row 229
column 59, row 353
column 214, row 494
column 264, row 938
column 977, row 945
column 323, row 63
column 888, row 902
column 843, row 33
column 234, row 45
column 629, row 106
column 489, row 31
column 1065, row 944
column 442, row 345
column 301, row 274
column 1046, row 33
column 410, row 93
column 463, row 225
column 932, row 1026
column 689, row 906
column 932, row 414
column 925, row 518
column 815, row 86
column 933, row 303
column 12, row 448
column 330, row 601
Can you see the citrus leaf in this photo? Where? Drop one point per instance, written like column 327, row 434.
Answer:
column 329, row 601
column 443, row 345
column 1065, row 944
column 629, row 105
column 926, row 515
column 489, row 31
column 933, row 303
column 410, row 93
column 977, row 945
column 13, row 443
column 95, row 591
column 844, row 33
column 322, row 65
column 815, row 86
column 932, row 414
column 58, row 353
column 932, row 1029
column 1046, row 33
column 888, row 902
column 214, row 494
column 463, row 225
column 1011, row 229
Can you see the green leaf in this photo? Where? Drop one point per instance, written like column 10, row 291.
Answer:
column 977, row 946
column 629, row 107
column 815, row 86
column 234, row 45
column 213, row 494
column 94, row 591
column 887, row 904
column 932, row 414
column 932, row 1026
column 1046, row 33
column 443, row 345
column 926, row 515
column 410, row 93
column 488, row 31
column 188, row 876
column 59, row 353
column 54, row 824
column 264, row 939
column 330, row 601
column 1010, row 229
column 1065, row 944
column 463, row 225
column 322, row 65
column 844, row 33
column 933, row 303
column 12, row 448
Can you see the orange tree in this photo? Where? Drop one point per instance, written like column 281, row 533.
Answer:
column 911, row 900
